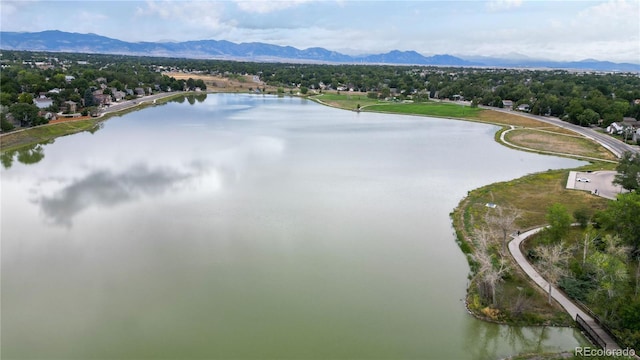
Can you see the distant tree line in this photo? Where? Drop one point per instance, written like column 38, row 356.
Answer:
column 73, row 77
column 581, row 98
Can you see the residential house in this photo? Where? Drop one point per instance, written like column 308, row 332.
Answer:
column 615, row 128
column 71, row 106
column 117, row 95
column 139, row 92
column 507, row 104
column 42, row 101
column 523, row 107
column 102, row 99
column 48, row 115
column 629, row 121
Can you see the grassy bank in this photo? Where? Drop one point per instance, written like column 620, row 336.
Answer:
column 519, row 300
column 45, row 133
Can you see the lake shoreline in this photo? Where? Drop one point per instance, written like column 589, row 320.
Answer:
column 64, row 128
column 482, row 134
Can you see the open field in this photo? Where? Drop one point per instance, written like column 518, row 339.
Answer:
column 224, row 84
column 347, row 101
column 428, row 109
column 558, row 142
column 501, row 118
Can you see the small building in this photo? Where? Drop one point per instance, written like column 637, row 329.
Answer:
column 523, row 107
column 118, row 95
column 139, row 91
column 102, row 99
column 71, row 106
column 507, row 104
column 48, row 115
column 43, row 103
column 629, row 121
column 615, row 128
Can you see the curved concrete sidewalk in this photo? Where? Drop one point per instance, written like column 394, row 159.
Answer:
column 568, row 305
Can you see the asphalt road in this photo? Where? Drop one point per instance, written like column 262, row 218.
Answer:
column 135, row 102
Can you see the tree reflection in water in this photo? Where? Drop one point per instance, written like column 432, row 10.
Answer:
column 26, row 155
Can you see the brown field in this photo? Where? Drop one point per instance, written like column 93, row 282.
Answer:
column 557, row 142
column 515, row 120
column 224, row 84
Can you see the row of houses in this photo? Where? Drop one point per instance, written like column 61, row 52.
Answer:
column 628, row 127
column 508, row 104
column 43, row 101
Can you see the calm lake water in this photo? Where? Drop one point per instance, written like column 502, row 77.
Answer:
column 252, row 227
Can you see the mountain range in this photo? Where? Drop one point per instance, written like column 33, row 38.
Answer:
column 59, row 41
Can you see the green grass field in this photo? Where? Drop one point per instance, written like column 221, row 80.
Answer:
column 428, row 109
column 348, row 101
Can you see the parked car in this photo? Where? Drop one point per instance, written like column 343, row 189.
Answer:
column 583, row 180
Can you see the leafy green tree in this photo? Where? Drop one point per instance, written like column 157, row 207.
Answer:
column 574, row 109
column 611, row 273
column 628, row 168
column 6, row 98
column 623, row 217
column 25, row 98
column 200, row 83
column 582, row 217
column 5, row 125
column 27, row 114
column 304, row 90
column 559, row 221
column 588, row 117
column 88, row 98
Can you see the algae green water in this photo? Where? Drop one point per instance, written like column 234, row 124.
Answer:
column 252, row 227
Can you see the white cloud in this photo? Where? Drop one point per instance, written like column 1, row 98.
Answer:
column 267, row 6
column 10, row 7
column 193, row 20
column 497, row 5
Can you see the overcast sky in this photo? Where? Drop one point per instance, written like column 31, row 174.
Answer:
column 549, row 29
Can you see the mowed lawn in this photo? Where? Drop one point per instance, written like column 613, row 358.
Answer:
column 348, row 101
column 428, row 109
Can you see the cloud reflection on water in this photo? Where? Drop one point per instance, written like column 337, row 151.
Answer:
column 107, row 188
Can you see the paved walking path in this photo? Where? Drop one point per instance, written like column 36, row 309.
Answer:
column 568, row 305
